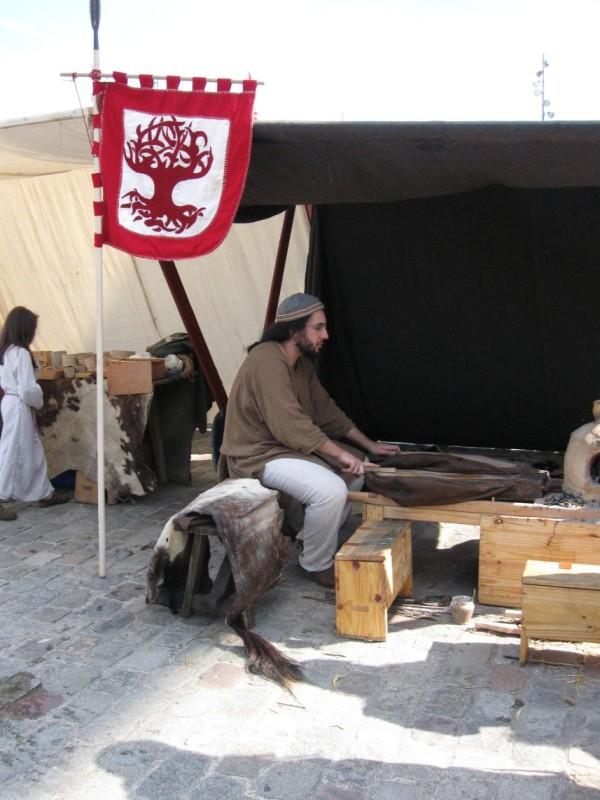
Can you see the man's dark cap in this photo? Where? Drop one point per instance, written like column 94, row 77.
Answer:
column 297, row 306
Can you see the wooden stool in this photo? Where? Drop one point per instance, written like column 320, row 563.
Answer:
column 222, row 585
column 371, row 569
column 561, row 602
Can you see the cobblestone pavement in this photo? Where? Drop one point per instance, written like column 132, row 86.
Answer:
column 105, row 697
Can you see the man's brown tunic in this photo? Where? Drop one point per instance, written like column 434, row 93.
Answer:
column 277, row 411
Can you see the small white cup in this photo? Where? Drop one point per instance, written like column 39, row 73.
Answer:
column 462, row 608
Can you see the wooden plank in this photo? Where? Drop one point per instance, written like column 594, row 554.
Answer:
column 551, row 573
column 561, row 614
column 455, row 512
column 507, row 543
column 371, row 569
column 196, row 559
column 86, row 490
column 362, row 590
column 371, row 541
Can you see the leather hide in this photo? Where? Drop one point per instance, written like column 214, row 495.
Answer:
column 427, row 479
column 247, row 520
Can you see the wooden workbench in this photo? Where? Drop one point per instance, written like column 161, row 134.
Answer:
column 510, row 534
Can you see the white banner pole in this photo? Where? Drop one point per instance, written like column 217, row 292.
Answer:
column 98, row 197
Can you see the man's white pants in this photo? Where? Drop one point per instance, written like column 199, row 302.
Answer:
column 324, row 496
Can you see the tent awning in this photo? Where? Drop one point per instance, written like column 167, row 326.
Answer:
column 295, row 163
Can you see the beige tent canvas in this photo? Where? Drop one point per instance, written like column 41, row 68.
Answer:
column 46, row 257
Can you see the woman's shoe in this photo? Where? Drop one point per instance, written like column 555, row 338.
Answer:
column 6, row 515
column 54, row 500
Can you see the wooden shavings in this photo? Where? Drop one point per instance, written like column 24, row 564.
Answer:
column 339, row 676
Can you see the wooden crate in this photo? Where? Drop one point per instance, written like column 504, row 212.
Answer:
column 86, row 490
column 129, row 377
column 508, row 542
column 371, row 569
column 50, row 373
column 157, row 366
column 42, row 357
column 561, row 602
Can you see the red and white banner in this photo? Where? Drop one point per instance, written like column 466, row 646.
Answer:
column 173, row 166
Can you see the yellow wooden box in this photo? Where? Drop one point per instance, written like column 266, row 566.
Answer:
column 129, row 377
column 43, row 357
column 561, row 602
column 508, row 542
column 86, row 490
column 371, row 569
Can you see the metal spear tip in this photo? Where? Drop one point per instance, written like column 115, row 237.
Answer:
column 95, row 13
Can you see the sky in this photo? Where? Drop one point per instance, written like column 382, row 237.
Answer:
column 319, row 59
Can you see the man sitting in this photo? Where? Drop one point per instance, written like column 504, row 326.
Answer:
column 282, row 427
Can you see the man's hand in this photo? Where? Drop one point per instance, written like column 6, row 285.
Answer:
column 350, row 463
column 383, row 449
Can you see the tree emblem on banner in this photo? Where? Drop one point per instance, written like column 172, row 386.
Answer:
column 173, row 167
column 168, row 151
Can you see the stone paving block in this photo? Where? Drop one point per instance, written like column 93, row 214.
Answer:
column 74, row 599
column 99, row 608
column 145, row 658
column 91, row 700
column 134, row 761
column 128, row 590
column 77, row 557
column 116, row 622
column 219, row 787
column 48, row 613
column 106, row 653
column 291, row 780
column 334, row 791
column 66, row 677
column 172, row 779
column 35, row 650
column 15, row 571
column 42, row 557
column 241, row 767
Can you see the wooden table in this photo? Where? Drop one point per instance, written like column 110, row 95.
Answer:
column 510, row 534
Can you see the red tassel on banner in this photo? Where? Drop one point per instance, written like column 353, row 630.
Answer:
column 120, row 77
column 223, row 85
column 146, row 81
column 98, row 240
column 98, row 208
column 173, row 81
column 95, row 148
column 96, row 121
column 96, row 180
column 198, row 84
column 249, row 85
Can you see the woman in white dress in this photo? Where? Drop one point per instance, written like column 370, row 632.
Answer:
column 23, row 468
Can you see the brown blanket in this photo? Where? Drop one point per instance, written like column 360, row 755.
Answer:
column 427, row 479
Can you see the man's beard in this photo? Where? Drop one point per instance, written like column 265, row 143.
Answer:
column 307, row 349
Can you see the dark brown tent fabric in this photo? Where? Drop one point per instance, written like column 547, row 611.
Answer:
column 467, row 320
column 458, row 263
column 295, row 163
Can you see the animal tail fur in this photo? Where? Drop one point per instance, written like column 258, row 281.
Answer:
column 263, row 657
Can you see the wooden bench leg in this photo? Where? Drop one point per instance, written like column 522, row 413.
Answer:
column 524, row 649
column 223, row 585
column 199, row 546
column 156, row 441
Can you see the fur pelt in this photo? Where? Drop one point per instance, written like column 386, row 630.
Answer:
column 247, row 520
